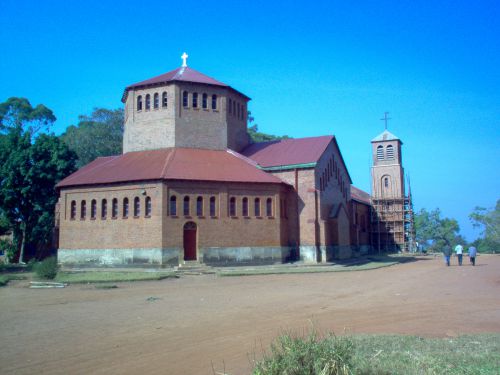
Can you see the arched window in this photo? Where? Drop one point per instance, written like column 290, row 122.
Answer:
column 83, row 210
column 269, row 207
column 243, row 117
column 173, row 205
column 380, row 152
column 186, row 206
column 148, row 207
column 214, row 101
column 389, row 152
column 139, row 103
column 148, row 102
column 199, row 206
column 386, row 182
column 204, row 100
column 230, row 106
column 114, row 208
column 234, row 108
column 256, row 204
column 245, row 207
column 232, row 206
column 72, row 214
column 156, row 101
column 321, row 183
column 104, row 209
column 185, row 99
column 164, row 100
column 93, row 209
column 195, row 100
column 238, row 110
column 212, row 207
column 137, row 207
column 125, row 208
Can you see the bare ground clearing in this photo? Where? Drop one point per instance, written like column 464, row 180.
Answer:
column 197, row 320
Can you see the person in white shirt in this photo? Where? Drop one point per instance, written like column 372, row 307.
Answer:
column 459, row 249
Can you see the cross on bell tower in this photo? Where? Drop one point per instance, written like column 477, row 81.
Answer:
column 184, row 58
column 385, row 119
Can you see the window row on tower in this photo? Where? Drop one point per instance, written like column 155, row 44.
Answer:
column 233, row 210
column 236, row 109
column 387, row 155
column 103, row 208
column 199, row 101
column 156, row 101
column 332, row 170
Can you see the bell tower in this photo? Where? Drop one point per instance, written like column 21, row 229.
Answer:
column 389, row 203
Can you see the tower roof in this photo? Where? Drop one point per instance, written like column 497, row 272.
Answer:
column 386, row 135
column 182, row 74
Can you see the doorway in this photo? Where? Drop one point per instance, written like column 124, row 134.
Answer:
column 190, row 241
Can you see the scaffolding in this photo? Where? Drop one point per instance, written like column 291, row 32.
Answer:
column 392, row 225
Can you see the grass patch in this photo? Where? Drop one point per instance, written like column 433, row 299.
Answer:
column 110, row 276
column 370, row 265
column 469, row 354
column 5, row 278
column 380, row 354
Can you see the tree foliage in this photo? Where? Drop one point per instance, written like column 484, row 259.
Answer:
column 256, row 136
column 489, row 221
column 29, row 168
column 100, row 134
column 434, row 232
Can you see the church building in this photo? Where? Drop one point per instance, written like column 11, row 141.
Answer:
column 190, row 187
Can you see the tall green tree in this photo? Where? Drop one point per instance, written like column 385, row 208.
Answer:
column 434, row 231
column 100, row 134
column 489, row 221
column 30, row 166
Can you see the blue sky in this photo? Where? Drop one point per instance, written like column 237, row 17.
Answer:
column 311, row 68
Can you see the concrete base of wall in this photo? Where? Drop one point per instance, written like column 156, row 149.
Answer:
column 242, row 256
column 118, row 257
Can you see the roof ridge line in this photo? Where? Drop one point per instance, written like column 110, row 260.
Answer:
column 243, row 157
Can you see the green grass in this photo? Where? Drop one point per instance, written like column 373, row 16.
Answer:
column 408, row 355
column 374, row 264
column 5, row 278
column 110, row 276
column 381, row 354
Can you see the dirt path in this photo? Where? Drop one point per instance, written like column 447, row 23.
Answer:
column 197, row 320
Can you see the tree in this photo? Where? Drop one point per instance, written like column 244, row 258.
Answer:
column 489, row 220
column 29, row 168
column 100, row 134
column 434, row 232
column 256, row 136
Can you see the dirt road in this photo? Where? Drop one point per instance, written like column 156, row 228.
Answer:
column 192, row 322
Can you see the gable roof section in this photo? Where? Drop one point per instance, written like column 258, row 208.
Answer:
column 288, row 152
column 359, row 195
column 182, row 74
column 169, row 164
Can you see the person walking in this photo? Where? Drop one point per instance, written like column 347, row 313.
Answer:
column 472, row 255
column 459, row 250
column 447, row 254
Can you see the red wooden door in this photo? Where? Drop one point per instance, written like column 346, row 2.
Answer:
column 190, row 241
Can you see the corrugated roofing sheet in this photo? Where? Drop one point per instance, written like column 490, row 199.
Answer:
column 288, row 151
column 169, row 163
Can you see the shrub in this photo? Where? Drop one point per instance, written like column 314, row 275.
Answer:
column 311, row 355
column 8, row 247
column 47, row 268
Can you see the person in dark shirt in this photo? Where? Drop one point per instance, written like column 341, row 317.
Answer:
column 447, row 254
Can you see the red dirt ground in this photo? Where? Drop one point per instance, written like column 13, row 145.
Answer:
column 200, row 320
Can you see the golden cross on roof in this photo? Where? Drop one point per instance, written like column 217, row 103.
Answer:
column 184, row 59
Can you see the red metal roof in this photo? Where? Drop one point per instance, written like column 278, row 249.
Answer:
column 169, row 164
column 184, row 74
column 360, row 195
column 288, row 151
